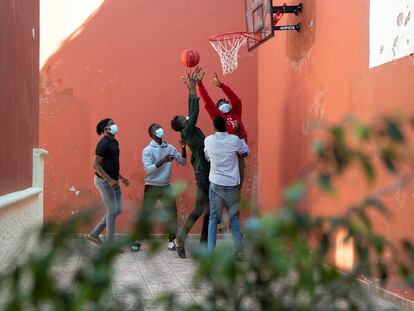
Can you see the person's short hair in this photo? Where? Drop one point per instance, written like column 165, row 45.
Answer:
column 100, row 127
column 176, row 124
column 150, row 131
column 218, row 103
column 219, row 124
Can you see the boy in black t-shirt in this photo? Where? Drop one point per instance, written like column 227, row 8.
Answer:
column 106, row 165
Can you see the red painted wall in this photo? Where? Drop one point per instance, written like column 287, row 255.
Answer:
column 322, row 74
column 124, row 63
column 19, row 100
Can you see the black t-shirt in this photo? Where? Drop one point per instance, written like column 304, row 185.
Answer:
column 108, row 149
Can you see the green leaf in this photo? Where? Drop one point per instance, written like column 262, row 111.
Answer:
column 325, row 183
column 377, row 204
column 361, row 132
column 367, row 166
column 324, row 245
column 382, row 271
column 341, row 155
column 388, row 158
column 318, row 147
column 294, row 194
column 408, row 246
column 338, row 134
column 394, row 131
column 406, row 274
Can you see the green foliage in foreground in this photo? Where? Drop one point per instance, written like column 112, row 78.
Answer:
column 288, row 263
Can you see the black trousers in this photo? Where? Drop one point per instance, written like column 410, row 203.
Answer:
column 166, row 196
column 201, row 206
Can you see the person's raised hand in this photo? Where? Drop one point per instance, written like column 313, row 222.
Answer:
column 199, row 74
column 216, row 80
column 192, row 78
column 185, row 77
column 168, row 158
column 182, row 143
column 236, row 125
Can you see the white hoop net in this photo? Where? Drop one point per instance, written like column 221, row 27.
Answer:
column 227, row 46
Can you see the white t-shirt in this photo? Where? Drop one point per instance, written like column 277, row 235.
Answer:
column 222, row 150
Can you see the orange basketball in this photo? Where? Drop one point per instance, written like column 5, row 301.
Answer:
column 190, row 57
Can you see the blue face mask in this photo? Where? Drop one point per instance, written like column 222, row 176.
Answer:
column 113, row 129
column 159, row 133
column 225, row 108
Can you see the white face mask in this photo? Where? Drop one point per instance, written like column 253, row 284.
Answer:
column 225, row 108
column 159, row 133
column 113, row 129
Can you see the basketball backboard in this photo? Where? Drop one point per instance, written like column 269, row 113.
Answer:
column 259, row 22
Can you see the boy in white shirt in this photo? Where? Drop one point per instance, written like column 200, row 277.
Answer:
column 222, row 149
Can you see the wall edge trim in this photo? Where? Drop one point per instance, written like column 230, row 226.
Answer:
column 18, row 196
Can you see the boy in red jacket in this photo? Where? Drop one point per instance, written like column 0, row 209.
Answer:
column 230, row 110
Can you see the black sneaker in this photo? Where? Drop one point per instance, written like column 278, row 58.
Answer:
column 181, row 252
column 135, row 246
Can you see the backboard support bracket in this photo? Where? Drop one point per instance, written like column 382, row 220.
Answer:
column 288, row 27
column 288, row 9
column 279, row 11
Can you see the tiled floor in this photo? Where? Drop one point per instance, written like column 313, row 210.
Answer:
column 162, row 273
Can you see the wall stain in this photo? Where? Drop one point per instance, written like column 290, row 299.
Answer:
column 299, row 44
column 400, row 18
column 407, row 19
column 315, row 112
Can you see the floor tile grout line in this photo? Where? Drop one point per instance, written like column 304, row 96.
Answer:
column 179, row 280
column 142, row 275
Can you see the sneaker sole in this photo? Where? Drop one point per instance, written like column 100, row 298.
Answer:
column 94, row 240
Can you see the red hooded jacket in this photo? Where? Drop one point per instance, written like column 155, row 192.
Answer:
column 235, row 113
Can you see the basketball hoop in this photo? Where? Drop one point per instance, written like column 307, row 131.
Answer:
column 227, row 46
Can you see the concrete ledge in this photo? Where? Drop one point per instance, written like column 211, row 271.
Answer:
column 18, row 196
column 387, row 295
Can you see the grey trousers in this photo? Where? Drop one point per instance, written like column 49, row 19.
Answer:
column 112, row 201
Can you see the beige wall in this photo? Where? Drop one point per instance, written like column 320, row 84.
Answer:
column 21, row 214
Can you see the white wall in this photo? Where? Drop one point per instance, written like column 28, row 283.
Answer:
column 391, row 30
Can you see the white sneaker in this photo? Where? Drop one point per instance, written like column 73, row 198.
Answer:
column 172, row 246
column 103, row 237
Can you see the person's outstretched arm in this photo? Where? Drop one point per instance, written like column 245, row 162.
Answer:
column 208, row 102
column 181, row 158
column 190, row 80
column 233, row 98
column 242, row 148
